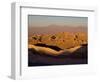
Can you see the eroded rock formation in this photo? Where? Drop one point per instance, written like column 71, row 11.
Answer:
column 62, row 40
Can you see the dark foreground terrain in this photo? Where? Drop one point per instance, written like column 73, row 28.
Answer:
column 79, row 56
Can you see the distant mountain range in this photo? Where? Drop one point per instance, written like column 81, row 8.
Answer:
column 51, row 29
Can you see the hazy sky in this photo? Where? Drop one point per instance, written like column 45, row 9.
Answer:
column 40, row 21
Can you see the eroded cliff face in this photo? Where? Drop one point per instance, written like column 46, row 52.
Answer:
column 62, row 40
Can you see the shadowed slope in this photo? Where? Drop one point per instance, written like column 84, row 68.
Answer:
column 77, row 55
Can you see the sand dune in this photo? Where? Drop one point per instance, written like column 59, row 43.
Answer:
column 71, row 50
column 76, row 55
column 49, row 51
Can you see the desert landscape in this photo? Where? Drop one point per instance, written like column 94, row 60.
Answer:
column 57, row 45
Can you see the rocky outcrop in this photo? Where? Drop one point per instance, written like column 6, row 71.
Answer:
column 62, row 40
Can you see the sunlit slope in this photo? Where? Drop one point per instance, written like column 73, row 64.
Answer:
column 62, row 40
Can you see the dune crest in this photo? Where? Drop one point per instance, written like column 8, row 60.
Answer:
column 49, row 51
column 71, row 50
